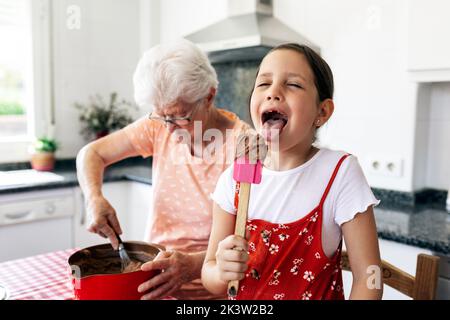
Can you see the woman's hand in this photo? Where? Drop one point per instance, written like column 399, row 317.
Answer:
column 176, row 269
column 231, row 258
column 104, row 219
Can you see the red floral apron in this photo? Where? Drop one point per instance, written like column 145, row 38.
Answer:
column 287, row 261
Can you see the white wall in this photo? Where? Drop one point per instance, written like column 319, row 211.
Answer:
column 422, row 133
column 179, row 18
column 433, row 137
column 438, row 169
column 100, row 57
column 365, row 43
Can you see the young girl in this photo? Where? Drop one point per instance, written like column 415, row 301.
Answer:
column 309, row 198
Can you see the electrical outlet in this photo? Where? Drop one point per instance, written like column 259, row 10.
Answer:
column 386, row 166
column 393, row 167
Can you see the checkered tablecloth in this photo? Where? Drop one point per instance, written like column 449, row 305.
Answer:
column 42, row 277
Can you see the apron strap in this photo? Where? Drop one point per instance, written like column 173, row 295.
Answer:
column 330, row 183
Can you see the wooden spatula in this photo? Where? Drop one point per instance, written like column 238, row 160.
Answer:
column 246, row 174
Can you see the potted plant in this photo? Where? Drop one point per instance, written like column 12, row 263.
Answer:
column 100, row 118
column 43, row 154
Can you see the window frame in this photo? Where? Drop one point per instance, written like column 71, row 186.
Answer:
column 40, row 108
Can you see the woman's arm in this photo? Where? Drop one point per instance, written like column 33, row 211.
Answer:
column 91, row 163
column 361, row 240
column 222, row 262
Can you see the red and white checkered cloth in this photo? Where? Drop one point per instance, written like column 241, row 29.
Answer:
column 42, row 277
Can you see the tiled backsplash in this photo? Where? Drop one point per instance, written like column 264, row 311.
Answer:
column 236, row 80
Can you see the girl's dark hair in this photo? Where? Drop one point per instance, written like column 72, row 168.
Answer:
column 323, row 76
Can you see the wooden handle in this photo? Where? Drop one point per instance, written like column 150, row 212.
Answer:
column 241, row 221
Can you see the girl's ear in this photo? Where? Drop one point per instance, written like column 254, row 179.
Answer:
column 326, row 109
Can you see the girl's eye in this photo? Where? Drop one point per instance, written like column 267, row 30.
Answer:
column 296, row 85
column 263, row 84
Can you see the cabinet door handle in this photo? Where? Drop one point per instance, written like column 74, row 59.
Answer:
column 18, row 215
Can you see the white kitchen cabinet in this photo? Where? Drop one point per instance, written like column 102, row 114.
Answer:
column 140, row 205
column 400, row 255
column 132, row 202
column 428, row 33
column 82, row 238
column 35, row 222
column 117, row 193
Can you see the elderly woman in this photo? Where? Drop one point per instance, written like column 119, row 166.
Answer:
column 177, row 84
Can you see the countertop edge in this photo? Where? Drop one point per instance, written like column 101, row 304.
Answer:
column 67, row 184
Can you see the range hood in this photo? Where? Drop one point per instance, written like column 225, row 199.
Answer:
column 245, row 35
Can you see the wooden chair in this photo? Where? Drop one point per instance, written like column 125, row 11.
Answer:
column 422, row 286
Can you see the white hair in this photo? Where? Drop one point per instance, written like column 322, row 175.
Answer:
column 171, row 72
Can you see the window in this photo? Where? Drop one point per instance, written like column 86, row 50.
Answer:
column 25, row 75
column 15, row 68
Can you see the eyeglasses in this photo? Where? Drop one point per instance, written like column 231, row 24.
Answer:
column 182, row 121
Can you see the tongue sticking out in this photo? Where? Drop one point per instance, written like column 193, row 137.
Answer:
column 272, row 128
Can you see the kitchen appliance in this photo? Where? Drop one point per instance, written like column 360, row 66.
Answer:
column 110, row 286
column 244, row 36
column 35, row 222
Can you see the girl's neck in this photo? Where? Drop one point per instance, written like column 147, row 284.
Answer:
column 290, row 159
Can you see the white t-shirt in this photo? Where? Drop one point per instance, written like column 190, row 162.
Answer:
column 287, row 196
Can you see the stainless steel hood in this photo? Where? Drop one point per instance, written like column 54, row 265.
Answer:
column 245, row 36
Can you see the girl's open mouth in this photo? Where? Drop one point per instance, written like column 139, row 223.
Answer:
column 273, row 122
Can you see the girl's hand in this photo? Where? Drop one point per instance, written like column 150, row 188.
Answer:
column 231, row 258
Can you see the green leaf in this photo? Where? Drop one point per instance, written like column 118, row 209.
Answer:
column 45, row 144
column 97, row 116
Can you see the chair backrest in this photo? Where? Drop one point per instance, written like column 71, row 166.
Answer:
column 422, row 286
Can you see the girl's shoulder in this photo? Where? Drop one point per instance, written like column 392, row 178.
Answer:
column 328, row 154
column 333, row 155
column 329, row 159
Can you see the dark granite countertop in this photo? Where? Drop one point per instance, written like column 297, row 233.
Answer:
column 425, row 226
column 131, row 170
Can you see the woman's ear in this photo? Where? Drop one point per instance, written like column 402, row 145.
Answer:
column 211, row 96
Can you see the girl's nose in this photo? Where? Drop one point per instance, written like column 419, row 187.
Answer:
column 274, row 94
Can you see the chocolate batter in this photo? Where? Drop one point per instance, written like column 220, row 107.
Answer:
column 108, row 261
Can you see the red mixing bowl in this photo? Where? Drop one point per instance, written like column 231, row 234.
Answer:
column 111, row 284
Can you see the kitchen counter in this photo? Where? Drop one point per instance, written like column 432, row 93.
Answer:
column 422, row 226
column 135, row 169
column 425, row 226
